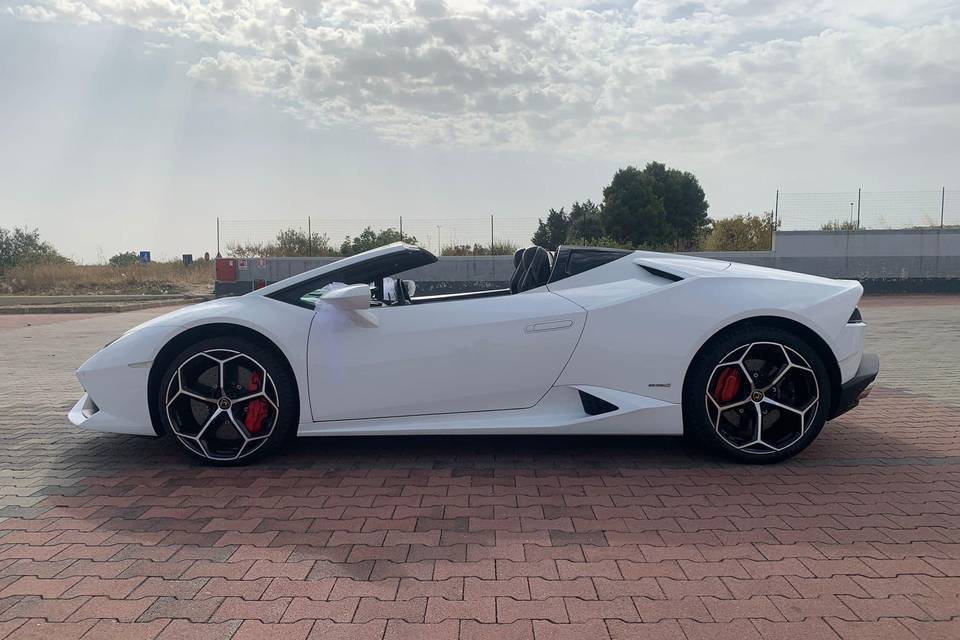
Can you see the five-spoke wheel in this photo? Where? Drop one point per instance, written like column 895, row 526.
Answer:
column 764, row 397
column 761, row 397
column 222, row 399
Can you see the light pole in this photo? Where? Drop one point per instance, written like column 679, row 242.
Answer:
column 851, row 214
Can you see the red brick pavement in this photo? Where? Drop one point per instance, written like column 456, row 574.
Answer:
column 109, row 536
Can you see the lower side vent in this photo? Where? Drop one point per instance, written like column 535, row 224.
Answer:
column 593, row 405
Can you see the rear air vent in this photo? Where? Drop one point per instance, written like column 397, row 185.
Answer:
column 855, row 316
column 660, row 273
column 592, row 405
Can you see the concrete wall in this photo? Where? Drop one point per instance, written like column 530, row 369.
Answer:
column 873, row 256
column 915, row 260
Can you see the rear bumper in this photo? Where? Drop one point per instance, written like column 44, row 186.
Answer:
column 858, row 387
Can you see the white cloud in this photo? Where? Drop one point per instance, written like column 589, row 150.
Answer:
column 576, row 76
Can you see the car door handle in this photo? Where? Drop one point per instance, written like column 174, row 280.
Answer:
column 549, row 326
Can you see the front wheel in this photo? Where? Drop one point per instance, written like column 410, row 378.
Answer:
column 228, row 401
column 757, row 395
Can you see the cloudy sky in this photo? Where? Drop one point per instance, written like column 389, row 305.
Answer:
column 135, row 124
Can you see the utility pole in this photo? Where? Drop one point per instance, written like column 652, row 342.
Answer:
column 943, row 195
column 218, row 231
column 309, row 237
column 491, row 232
column 401, row 228
column 439, row 246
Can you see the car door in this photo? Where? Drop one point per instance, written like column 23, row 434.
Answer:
column 477, row 354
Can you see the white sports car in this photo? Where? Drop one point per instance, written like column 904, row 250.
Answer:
column 752, row 361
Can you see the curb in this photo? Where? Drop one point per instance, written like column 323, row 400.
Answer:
column 95, row 307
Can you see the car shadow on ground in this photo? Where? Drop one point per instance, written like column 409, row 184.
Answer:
column 474, row 454
column 852, row 438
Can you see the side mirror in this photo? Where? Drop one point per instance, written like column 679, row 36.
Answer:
column 353, row 300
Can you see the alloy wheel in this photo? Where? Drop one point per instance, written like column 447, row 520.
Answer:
column 762, row 397
column 222, row 404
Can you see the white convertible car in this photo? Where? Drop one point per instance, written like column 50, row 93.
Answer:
column 752, row 361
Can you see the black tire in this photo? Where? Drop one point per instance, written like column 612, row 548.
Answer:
column 727, row 432
column 278, row 398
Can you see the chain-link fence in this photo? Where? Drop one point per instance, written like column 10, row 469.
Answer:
column 851, row 210
column 436, row 234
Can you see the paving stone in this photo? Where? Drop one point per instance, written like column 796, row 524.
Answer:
column 107, row 536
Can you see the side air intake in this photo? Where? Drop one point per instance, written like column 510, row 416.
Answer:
column 592, row 405
column 660, row 273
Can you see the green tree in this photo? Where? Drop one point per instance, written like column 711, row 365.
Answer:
column 296, row 243
column 370, row 239
column 741, row 233
column 585, row 221
column 599, row 241
column 552, row 233
column 657, row 206
column 291, row 243
column 23, row 246
column 124, row 259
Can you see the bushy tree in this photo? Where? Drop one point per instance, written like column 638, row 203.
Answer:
column 600, row 241
column 23, row 246
column 585, row 221
column 656, row 206
column 741, row 233
column 370, row 239
column 124, row 259
column 293, row 243
column 552, row 233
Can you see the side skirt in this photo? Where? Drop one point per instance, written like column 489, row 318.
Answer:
column 561, row 411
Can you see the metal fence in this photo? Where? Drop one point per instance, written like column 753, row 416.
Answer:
column 433, row 233
column 851, row 210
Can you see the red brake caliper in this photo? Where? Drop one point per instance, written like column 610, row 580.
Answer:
column 257, row 408
column 728, row 385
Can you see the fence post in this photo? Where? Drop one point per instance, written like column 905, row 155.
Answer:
column 776, row 221
column 943, row 195
column 858, row 208
column 491, row 234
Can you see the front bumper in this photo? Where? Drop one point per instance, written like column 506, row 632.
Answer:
column 858, row 387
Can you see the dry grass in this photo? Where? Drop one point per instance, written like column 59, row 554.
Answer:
column 153, row 278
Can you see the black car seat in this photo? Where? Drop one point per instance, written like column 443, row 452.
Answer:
column 533, row 270
column 517, row 270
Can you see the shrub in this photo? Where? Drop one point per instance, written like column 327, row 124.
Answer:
column 124, row 259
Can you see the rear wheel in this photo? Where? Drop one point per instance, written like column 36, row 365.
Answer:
column 228, row 401
column 757, row 395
